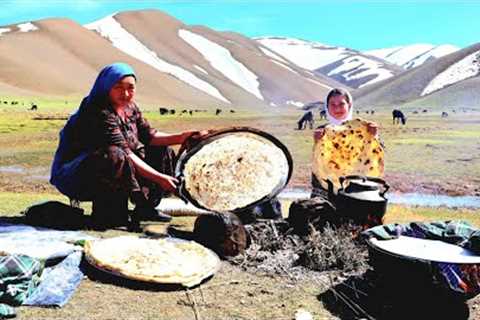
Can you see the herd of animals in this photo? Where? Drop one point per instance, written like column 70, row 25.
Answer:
column 307, row 118
column 398, row 117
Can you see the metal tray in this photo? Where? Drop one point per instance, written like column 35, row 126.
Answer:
column 185, row 155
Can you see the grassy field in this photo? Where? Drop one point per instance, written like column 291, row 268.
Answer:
column 429, row 154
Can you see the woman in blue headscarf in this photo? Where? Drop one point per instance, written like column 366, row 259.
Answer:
column 108, row 153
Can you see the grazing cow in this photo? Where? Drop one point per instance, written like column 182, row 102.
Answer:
column 367, row 111
column 372, row 111
column 232, row 111
column 34, row 107
column 323, row 114
column 163, row 110
column 398, row 116
column 307, row 117
column 218, row 111
column 190, row 112
column 172, row 111
column 444, row 114
column 424, row 110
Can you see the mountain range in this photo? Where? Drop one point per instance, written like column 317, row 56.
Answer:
column 195, row 66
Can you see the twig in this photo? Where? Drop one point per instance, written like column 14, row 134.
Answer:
column 201, row 294
column 193, row 303
column 223, row 284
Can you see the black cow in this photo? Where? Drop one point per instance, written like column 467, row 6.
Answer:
column 163, row 110
column 307, row 117
column 444, row 114
column 398, row 116
column 34, row 107
column 218, row 111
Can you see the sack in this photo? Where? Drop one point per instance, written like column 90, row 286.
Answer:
column 55, row 214
column 223, row 233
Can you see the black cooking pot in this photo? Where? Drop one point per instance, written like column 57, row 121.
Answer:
column 361, row 200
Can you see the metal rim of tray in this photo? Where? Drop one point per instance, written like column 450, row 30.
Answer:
column 185, row 156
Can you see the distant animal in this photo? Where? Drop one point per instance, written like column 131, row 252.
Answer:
column 163, row 110
column 372, row 111
column 444, row 114
column 218, row 111
column 367, row 112
column 190, row 112
column 34, row 107
column 172, row 111
column 358, row 111
column 323, row 114
column 398, row 116
column 415, row 112
column 307, row 117
column 424, row 110
column 232, row 111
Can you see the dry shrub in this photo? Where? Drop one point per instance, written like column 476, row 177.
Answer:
column 276, row 250
column 334, row 249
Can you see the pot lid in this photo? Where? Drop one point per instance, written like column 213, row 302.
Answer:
column 372, row 195
column 234, row 169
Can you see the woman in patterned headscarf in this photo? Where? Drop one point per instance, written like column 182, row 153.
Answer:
column 108, row 153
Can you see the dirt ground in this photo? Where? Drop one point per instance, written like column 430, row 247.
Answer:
column 428, row 155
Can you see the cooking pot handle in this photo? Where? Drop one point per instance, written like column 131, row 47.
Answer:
column 381, row 181
column 181, row 188
column 343, row 178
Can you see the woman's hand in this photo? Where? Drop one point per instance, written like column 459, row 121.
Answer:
column 195, row 134
column 318, row 134
column 167, row 183
column 372, row 128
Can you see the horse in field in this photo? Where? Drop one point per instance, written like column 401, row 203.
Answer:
column 307, row 117
column 398, row 116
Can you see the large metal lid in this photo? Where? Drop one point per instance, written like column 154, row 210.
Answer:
column 233, row 170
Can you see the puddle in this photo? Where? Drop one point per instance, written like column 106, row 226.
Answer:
column 12, row 169
column 417, row 199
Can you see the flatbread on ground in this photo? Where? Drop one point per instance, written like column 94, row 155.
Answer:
column 234, row 171
column 347, row 149
column 167, row 261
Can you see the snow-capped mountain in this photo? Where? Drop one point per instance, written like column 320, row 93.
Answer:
column 412, row 56
column 350, row 67
column 451, row 80
column 178, row 64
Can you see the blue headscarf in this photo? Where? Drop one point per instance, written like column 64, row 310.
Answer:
column 64, row 175
column 105, row 81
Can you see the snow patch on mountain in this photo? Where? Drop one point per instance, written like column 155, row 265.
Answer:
column 308, row 55
column 271, row 54
column 26, row 27
column 357, row 67
column 109, row 28
column 200, row 69
column 4, row 30
column 284, row 66
column 466, row 68
column 222, row 60
column 412, row 56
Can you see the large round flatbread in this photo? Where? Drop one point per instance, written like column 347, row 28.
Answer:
column 167, row 261
column 234, row 171
column 347, row 149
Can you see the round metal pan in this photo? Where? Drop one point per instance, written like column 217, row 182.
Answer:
column 185, row 155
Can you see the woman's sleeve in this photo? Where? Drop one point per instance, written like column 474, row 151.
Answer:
column 145, row 131
column 111, row 132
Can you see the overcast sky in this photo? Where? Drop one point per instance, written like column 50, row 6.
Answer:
column 355, row 24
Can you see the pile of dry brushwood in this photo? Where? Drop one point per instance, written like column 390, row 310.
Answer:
column 276, row 249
